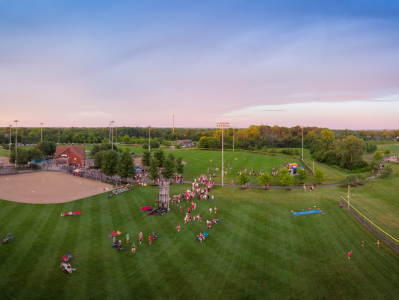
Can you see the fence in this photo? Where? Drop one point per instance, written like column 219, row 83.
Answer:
column 383, row 235
column 8, row 171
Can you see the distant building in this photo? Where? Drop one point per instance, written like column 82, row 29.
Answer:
column 70, row 154
column 185, row 143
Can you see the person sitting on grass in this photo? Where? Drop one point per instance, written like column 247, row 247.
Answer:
column 155, row 236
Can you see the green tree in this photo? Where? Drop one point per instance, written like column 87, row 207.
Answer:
column 171, row 157
column 94, row 140
column 109, row 163
column 286, row 179
column 34, row 153
column 265, row 179
column 169, row 168
column 387, row 151
column 98, row 158
column 319, row 175
column 88, row 140
column 126, row 139
column 302, row 173
column 125, row 166
column 153, row 169
column 160, row 157
column 179, row 166
column 352, row 147
column 48, row 148
column 95, row 149
column 146, row 159
column 378, row 155
column 242, row 179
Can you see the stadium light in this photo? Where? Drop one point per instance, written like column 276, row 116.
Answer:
column 233, row 136
column 222, row 125
column 302, row 142
column 41, row 132
column 16, row 141
column 112, row 134
column 149, row 138
column 10, row 135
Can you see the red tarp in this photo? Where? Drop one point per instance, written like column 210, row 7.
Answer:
column 146, row 208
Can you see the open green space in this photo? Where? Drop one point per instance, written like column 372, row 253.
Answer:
column 5, row 153
column 257, row 251
column 391, row 147
column 198, row 162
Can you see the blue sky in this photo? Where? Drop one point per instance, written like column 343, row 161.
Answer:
column 316, row 63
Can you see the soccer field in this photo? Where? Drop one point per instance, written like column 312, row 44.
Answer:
column 257, row 251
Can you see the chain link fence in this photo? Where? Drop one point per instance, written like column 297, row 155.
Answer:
column 380, row 233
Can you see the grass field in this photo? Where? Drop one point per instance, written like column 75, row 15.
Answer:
column 5, row 153
column 257, row 251
column 198, row 161
column 391, row 147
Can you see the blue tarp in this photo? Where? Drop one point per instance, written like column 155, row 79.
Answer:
column 307, row 212
column 138, row 170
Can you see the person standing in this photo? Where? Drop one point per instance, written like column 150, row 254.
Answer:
column 210, row 210
column 133, row 248
column 150, row 239
column 349, row 255
column 181, row 208
column 378, row 243
column 178, row 227
column 213, row 198
column 127, row 238
column 141, row 237
column 215, row 209
column 362, row 243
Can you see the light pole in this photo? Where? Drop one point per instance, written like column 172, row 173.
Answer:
column 222, row 125
column 112, row 134
column 41, row 132
column 173, row 123
column 59, row 135
column 16, row 141
column 302, row 143
column 233, row 137
column 149, row 138
column 10, row 136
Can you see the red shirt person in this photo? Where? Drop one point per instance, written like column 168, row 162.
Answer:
column 150, row 239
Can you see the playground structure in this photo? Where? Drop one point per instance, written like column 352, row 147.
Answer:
column 293, row 168
column 164, row 194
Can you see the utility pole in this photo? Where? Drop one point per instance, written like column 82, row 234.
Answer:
column 112, row 134
column 173, row 123
column 58, row 135
column 302, row 143
column 10, row 135
column 349, row 197
column 16, row 141
column 149, row 138
column 222, row 125
column 233, row 137
column 41, row 132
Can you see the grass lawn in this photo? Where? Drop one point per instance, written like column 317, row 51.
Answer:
column 5, row 153
column 391, row 147
column 198, row 161
column 257, row 251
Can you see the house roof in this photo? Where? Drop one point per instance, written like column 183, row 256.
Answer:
column 185, row 141
column 80, row 150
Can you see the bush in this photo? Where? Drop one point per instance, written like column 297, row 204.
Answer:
column 387, row 151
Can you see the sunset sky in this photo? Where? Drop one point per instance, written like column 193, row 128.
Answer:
column 315, row 63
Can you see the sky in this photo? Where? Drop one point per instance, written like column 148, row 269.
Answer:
column 318, row 63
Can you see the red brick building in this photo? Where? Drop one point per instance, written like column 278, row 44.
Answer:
column 70, row 154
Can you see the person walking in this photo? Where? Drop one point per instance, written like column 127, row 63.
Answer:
column 349, row 255
column 150, row 239
column 141, row 237
column 210, row 210
column 127, row 238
